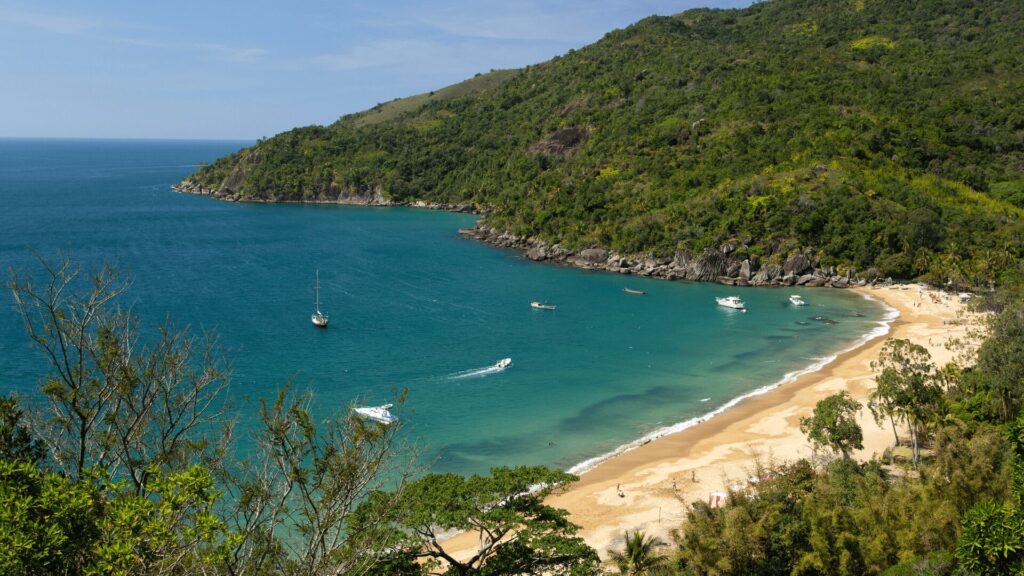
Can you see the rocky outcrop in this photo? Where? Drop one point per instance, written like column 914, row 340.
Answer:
column 561, row 142
column 729, row 264
column 367, row 197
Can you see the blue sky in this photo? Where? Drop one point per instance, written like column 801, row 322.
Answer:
column 208, row 69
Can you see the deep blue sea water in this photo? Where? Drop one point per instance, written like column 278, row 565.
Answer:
column 412, row 305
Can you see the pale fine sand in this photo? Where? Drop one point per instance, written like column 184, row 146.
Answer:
column 650, row 487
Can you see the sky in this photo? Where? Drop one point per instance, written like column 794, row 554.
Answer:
column 209, row 69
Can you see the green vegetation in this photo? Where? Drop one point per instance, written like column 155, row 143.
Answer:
column 958, row 514
column 515, row 532
column 640, row 555
column 833, row 425
column 882, row 134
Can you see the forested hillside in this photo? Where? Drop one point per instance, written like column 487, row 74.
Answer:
column 881, row 133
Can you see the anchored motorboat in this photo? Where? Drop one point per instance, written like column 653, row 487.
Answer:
column 378, row 413
column 797, row 300
column 632, row 291
column 732, row 302
column 541, row 306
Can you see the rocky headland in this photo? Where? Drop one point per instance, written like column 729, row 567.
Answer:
column 730, row 264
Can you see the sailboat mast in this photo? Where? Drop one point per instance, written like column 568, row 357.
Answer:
column 317, row 291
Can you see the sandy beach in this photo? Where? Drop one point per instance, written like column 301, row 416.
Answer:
column 650, row 487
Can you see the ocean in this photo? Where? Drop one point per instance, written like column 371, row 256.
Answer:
column 411, row 304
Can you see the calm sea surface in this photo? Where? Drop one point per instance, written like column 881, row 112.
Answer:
column 411, row 304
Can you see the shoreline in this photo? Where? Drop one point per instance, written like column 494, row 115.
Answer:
column 890, row 314
column 649, row 485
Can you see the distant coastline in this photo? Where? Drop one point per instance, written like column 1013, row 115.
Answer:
column 727, row 265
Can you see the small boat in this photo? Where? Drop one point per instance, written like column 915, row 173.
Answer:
column 377, row 413
column 732, row 302
column 824, row 320
column 541, row 306
column 797, row 300
column 503, row 363
column 631, row 291
column 319, row 318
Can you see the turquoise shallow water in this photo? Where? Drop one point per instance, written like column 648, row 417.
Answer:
column 411, row 304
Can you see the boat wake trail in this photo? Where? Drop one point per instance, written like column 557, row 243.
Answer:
column 477, row 372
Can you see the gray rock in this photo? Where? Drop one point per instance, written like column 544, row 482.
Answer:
column 797, row 263
column 745, row 270
column 767, row 275
column 805, row 279
column 594, row 255
column 726, row 280
column 816, row 282
column 537, row 253
column 707, row 267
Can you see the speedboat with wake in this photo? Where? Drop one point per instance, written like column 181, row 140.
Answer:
column 380, row 414
column 797, row 300
column 503, row 363
column 732, row 302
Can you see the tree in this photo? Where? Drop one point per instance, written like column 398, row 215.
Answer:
column 908, row 389
column 640, row 556
column 516, row 532
column 834, row 424
column 992, row 540
column 16, row 440
column 297, row 497
column 51, row 524
column 118, row 402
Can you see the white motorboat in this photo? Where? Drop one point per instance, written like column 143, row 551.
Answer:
column 732, row 302
column 797, row 300
column 503, row 363
column 541, row 306
column 378, row 413
column 319, row 318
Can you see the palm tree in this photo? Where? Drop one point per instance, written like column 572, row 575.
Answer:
column 639, row 557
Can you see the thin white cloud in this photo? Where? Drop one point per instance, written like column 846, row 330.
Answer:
column 214, row 50
column 49, row 21
column 231, row 53
column 384, row 54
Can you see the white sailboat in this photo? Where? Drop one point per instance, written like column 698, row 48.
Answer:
column 319, row 318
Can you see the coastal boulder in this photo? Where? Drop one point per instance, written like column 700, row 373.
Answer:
column 593, row 255
column 745, row 270
column 767, row 275
column 707, row 267
column 797, row 263
column 537, row 253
